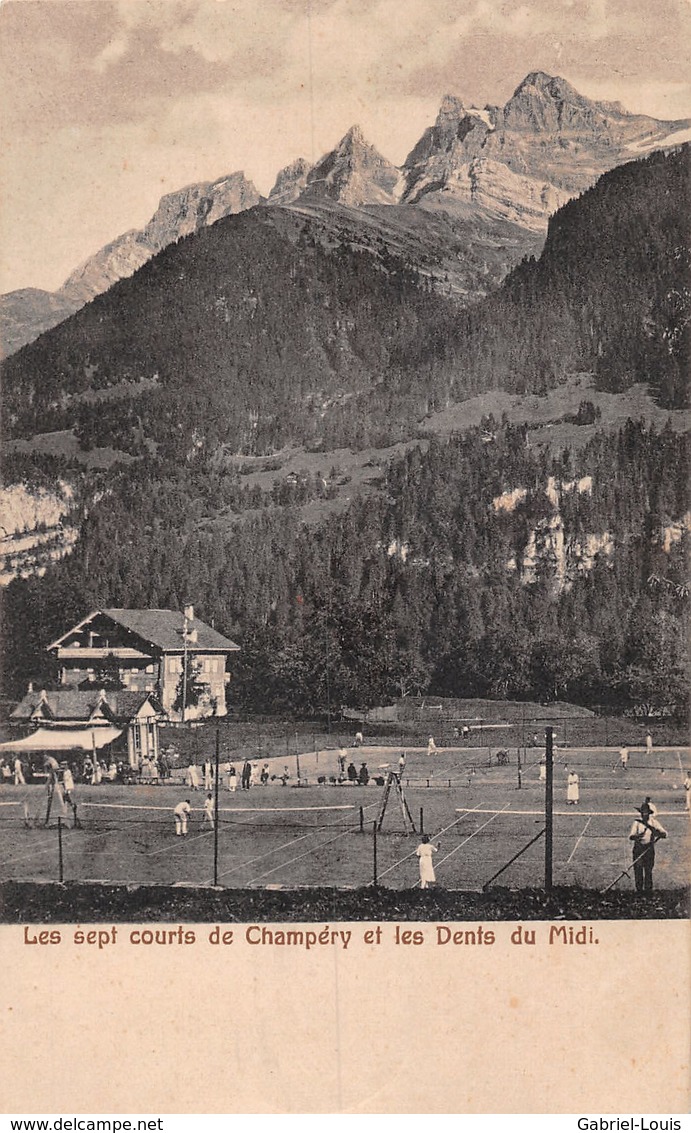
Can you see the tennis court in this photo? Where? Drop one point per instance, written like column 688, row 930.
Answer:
column 481, row 813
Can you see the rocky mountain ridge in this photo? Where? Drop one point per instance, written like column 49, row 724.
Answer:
column 493, row 166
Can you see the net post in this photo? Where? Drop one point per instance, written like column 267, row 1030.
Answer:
column 362, row 821
column 216, row 778
column 549, row 804
column 374, row 854
column 422, row 820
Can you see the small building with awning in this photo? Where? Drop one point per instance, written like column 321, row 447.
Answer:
column 113, row 723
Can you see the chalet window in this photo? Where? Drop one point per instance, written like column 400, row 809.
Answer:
column 150, row 669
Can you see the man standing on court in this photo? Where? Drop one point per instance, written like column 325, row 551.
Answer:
column 645, row 832
column 19, row 780
column 624, row 758
column 181, row 813
column 209, row 810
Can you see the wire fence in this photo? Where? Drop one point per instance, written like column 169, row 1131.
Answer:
column 339, row 838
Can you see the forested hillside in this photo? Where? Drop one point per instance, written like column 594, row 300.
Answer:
column 253, row 334
column 485, row 567
column 611, row 293
column 478, row 565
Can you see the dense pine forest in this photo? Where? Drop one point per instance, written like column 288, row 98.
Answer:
column 480, row 564
column 572, row 588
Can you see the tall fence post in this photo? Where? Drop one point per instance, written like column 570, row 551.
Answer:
column 374, row 853
column 549, row 804
column 61, row 871
column 216, row 779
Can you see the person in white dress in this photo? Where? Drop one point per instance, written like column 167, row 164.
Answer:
column 424, row 853
column 19, row 779
column 431, row 746
column 192, row 777
column 232, row 779
column 572, row 788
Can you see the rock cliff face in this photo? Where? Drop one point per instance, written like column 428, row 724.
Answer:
column 178, row 214
column 290, row 182
column 524, row 160
column 355, row 174
column 27, row 313
column 34, row 529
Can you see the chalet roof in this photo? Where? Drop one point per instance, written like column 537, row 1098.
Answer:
column 73, row 704
column 163, row 629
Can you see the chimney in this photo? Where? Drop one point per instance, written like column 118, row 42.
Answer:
column 189, row 613
column 31, row 687
column 43, row 696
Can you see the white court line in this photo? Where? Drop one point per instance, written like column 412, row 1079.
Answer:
column 258, row 858
column 464, row 813
column 15, row 802
column 178, row 837
column 268, row 853
column 461, row 844
column 49, row 848
column 578, row 840
column 584, row 813
column 307, row 853
column 222, row 810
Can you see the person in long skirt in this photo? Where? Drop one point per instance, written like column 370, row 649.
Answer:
column 424, row 853
column 232, row 779
column 573, row 788
column 192, row 777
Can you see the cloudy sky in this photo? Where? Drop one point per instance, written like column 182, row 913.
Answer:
column 108, row 104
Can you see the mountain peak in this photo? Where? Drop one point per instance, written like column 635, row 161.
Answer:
column 354, row 137
column 290, row 182
column 451, row 106
column 354, row 173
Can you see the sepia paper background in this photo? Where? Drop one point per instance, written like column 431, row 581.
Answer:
column 372, row 1029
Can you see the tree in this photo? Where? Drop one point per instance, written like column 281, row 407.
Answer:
column 189, row 690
